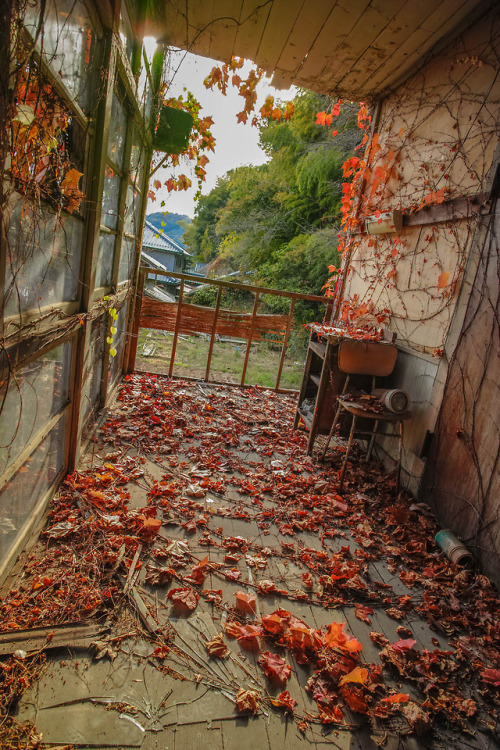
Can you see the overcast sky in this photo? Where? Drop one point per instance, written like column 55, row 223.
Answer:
column 236, row 143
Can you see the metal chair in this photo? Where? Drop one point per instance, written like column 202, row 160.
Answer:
column 376, row 360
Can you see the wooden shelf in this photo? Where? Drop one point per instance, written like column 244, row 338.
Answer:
column 317, row 348
column 324, row 386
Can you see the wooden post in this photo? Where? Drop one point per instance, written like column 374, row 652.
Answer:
column 176, row 332
column 250, row 336
column 134, row 332
column 285, row 342
column 214, row 328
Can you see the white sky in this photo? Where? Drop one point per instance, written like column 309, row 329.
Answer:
column 236, row 143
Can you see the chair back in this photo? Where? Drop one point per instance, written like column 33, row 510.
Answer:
column 367, row 358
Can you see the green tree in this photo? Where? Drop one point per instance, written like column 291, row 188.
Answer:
column 280, row 220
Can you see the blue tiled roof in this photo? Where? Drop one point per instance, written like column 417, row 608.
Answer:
column 155, row 239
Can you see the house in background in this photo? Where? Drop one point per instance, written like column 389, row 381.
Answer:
column 164, row 254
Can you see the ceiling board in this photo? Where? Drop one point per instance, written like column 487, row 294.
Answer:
column 201, row 15
column 355, row 48
column 174, row 29
column 391, row 42
column 227, row 13
column 334, row 31
column 276, row 33
column 308, row 24
column 373, row 21
column 253, row 18
column 444, row 19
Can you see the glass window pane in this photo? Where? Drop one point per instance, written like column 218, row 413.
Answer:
column 93, row 367
column 67, row 41
column 105, row 257
column 132, row 211
column 126, row 34
column 137, row 161
column 18, row 498
column 115, row 365
column 117, row 132
column 144, row 90
column 110, row 197
column 43, row 258
column 126, row 259
column 30, row 399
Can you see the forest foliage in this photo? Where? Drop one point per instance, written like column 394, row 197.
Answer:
column 278, row 222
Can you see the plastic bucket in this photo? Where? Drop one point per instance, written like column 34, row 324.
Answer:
column 453, row 547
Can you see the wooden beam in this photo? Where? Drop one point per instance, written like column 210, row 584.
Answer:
column 235, row 285
column 454, row 210
column 285, row 343
column 72, row 635
column 176, row 331
column 134, row 332
column 214, row 328
column 250, row 336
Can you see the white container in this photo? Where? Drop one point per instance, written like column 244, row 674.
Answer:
column 393, row 399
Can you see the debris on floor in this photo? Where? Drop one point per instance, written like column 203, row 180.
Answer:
column 201, row 581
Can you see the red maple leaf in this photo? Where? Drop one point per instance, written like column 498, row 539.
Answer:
column 266, row 587
column 396, row 698
column 276, row 622
column 198, row 571
column 330, row 714
column 491, row 676
column 354, row 700
column 362, row 611
column 284, row 700
column 247, row 701
column 245, row 603
column 217, row 647
column 183, row 599
column 212, row 596
column 276, row 668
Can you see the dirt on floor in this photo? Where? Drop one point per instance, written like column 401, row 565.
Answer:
column 201, row 583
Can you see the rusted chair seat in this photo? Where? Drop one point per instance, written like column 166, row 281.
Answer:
column 376, row 360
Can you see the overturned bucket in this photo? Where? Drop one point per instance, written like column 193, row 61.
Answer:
column 453, row 547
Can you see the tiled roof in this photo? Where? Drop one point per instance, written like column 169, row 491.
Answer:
column 155, row 239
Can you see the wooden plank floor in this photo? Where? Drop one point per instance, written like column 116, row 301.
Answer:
column 189, row 703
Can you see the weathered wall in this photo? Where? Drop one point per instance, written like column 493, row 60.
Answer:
column 434, row 144
column 462, row 475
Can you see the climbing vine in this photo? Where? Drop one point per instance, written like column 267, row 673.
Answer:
column 427, row 146
column 201, row 139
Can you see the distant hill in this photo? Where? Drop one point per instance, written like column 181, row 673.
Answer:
column 169, row 224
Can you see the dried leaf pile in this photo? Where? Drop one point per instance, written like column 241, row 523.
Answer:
column 229, row 456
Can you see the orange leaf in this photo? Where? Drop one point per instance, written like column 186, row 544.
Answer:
column 358, row 674
column 275, row 667
column 396, row 698
column 183, row 599
column 443, row 280
column 247, row 700
column 284, row 700
column 245, row 603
